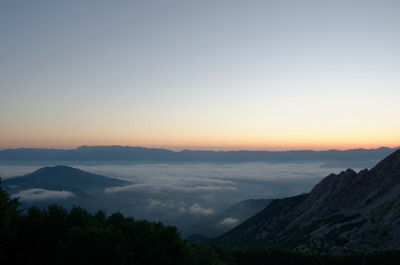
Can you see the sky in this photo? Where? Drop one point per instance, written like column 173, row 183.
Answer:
column 223, row 75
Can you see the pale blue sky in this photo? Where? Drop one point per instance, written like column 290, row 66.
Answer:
column 201, row 74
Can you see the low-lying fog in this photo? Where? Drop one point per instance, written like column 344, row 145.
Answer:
column 188, row 195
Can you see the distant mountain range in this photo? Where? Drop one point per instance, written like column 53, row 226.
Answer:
column 344, row 213
column 131, row 154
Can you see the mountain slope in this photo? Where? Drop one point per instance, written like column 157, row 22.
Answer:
column 348, row 212
column 227, row 219
column 244, row 209
column 61, row 178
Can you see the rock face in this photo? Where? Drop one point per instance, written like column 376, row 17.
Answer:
column 344, row 213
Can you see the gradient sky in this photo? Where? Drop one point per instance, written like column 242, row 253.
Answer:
column 200, row 74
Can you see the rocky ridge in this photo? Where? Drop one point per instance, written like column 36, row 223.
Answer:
column 344, row 213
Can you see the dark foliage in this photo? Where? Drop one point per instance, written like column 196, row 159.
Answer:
column 9, row 216
column 57, row 236
column 275, row 256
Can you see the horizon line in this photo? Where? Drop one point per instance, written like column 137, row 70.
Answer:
column 201, row 148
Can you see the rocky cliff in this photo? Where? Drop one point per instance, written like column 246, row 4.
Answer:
column 344, row 213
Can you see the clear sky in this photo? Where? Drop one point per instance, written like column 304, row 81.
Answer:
column 200, row 74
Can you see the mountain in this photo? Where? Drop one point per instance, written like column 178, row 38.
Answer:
column 244, row 209
column 61, row 178
column 225, row 220
column 344, row 213
column 129, row 154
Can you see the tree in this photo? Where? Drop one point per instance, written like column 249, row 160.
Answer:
column 9, row 216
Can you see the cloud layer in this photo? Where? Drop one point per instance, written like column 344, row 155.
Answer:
column 42, row 194
column 190, row 196
column 197, row 209
column 229, row 222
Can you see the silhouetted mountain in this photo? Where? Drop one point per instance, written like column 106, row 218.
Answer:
column 348, row 212
column 126, row 153
column 61, row 178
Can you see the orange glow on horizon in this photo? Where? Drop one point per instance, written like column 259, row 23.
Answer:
column 203, row 140
column 276, row 146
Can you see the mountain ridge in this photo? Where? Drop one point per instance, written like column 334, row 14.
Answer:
column 128, row 153
column 345, row 212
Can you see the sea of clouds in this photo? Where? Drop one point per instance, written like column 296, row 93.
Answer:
column 188, row 195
